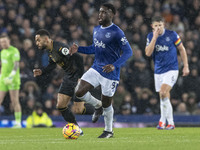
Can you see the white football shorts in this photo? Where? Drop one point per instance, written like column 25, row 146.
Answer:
column 108, row 87
column 168, row 78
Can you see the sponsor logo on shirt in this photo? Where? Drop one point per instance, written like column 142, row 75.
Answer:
column 161, row 48
column 99, row 44
column 124, row 40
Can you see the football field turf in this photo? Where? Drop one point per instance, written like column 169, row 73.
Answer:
column 124, row 139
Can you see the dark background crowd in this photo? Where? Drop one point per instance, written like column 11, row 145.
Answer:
column 71, row 21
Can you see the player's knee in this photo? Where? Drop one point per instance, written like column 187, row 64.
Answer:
column 60, row 105
column 163, row 94
column 79, row 93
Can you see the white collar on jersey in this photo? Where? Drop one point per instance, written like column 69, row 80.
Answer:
column 106, row 27
column 162, row 33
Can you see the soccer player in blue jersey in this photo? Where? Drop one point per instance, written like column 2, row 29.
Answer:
column 108, row 43
column 162, row 44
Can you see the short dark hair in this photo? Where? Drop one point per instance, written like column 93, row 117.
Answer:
column 157, row 19
column 43, row 32
column 110, row 6
column 4, row 36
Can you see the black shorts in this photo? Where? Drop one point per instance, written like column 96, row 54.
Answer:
column 67, row 87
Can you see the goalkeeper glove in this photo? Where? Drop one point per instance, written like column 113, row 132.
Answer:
column 8, row 80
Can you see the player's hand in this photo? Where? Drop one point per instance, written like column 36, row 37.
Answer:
column 73, row 49
column 37, row 72
column 8, row 80
column 108, row 68
column 186, row 71
column 156, row 32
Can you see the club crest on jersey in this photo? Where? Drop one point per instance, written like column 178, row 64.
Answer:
column 108, row 34
column 124, row 40
column 65, row 51
column 99, row 44
column 167, row 39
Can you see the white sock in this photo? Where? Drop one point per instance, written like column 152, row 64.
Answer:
column 163, row 110
column 88, row 98
column 108, row 118
column 169, row 114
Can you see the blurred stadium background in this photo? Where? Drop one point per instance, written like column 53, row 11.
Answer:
column 136, row 104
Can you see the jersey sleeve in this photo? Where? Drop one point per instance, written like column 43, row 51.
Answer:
column 86, row 50
column 176, row 39
column 51, row 66
column 16, row 55
column 148, row 40
column 125, row 47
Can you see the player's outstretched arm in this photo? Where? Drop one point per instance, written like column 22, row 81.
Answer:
column 37, row 72
column 184, row 58
column 73, row 49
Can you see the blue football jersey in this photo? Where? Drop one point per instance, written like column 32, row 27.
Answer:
column 165, row 52
column 110, row 46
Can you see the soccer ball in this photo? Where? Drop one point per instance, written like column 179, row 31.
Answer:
column 71, row 131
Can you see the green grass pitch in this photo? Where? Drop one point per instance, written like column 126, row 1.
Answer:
column 124, row 139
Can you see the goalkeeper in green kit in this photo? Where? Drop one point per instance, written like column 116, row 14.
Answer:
column 10, row 76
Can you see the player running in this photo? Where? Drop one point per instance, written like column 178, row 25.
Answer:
column 162, row 44
column 72, row 65
column 10, row 76
column 108, row 43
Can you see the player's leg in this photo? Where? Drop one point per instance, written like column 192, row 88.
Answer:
column 2, row 95
column 62, row 105
column 108, row 90
column 165, row 97
column 65, row 94
column 158, row 78
column 88, row 82
column 83, row 93
column 14, row 97
column 169, row 79
column 108, row 113
column 3, row 90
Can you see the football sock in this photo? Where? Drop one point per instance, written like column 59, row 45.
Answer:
column 18, row 116
column 169, row 114
column 84, row 110
column 163, row 110
column 68, row 115
column 88, row 98
column 88, row 110
column 108, row 118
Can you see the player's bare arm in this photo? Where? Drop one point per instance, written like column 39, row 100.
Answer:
column 73, row 49
column 108, row 68
column 149, row 49
column 16, row 65
column 37, row 72
column 184, row 58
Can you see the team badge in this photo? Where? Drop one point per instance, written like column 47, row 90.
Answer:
column 108, row 34
column 124, row 40
column 167, row 39
column 65, row 51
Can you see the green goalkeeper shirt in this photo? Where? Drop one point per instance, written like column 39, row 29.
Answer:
column 8, row 58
